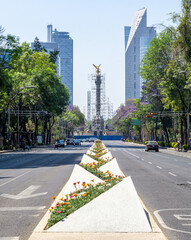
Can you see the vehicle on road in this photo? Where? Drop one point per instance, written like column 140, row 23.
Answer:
column 77, row 142
column 152, row 145
column 59, row 143
column 70, row 141
column 91, row 139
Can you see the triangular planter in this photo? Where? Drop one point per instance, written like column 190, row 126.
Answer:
column 92, row 153
column 113, row 168
column 79, row 174
column 107, row 156
column 117, row 210
column 86, row 159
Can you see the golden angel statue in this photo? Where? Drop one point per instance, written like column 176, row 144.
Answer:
column 97, row 67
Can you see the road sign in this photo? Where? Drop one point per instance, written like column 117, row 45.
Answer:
column 136, row 121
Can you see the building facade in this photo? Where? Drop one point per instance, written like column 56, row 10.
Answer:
column 137, row 39
column 62, row 42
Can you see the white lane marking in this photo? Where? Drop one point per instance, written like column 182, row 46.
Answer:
column 160, row 220
column 182, row 216
column 186, row 224
column 27, row 193
column 159, row 167
column 189, row 182
column 142, row 159
column 172, row 174
column 150, row 162
column 4, row 209
column 14, row 178
column 9, row 238
column 131, row 154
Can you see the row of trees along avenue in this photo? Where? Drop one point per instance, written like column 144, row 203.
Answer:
column 166, row 71
column 32, row 96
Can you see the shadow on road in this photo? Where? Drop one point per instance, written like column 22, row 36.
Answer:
column 30, row 160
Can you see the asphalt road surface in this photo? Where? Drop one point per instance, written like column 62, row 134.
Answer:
column 163, row 181
column 28, row 180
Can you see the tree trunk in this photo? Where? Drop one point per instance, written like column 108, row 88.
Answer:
column 165, row 129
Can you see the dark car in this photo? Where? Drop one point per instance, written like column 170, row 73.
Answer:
column 77, row 142
column 152, row 145
column 59, row 143
column 91, row 139
column 70, row 141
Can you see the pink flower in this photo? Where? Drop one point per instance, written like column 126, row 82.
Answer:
column 58, row 211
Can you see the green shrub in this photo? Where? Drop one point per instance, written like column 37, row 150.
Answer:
column 39, row 144
column 175, row 145
column 161, row 143
column 185, row 146
column 167, row 144
column 1, row 148
column 146, row 142
column 6, row 147
column 172, row 144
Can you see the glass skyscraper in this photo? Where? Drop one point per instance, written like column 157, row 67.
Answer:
column 137, row 39
column 62, row 42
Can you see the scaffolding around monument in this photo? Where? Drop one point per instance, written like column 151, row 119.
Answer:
column 106, row 105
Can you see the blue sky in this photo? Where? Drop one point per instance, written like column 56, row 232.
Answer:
column 97, row 28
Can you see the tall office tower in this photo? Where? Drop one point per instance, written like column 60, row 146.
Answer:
column 65, row 62
column 137, row 39
column 62, row 42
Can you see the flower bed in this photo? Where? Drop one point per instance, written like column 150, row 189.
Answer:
column 80, row 197
column 94, row 169
column 97, row 157
column 77, row 199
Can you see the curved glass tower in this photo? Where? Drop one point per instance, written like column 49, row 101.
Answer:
column 137, row 39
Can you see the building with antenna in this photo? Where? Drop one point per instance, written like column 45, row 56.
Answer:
column 137, row 39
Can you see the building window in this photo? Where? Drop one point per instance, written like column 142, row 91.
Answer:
column 134, row 85
column 134, row 49
column 134, row 67
column 134, row 58
column 134, row 76
column 134, row 40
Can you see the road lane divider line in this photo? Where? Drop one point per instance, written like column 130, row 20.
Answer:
column 172, row 174
column 9, row 238
column 150, row 162
column 189, row 182
column 5, row 209
column 159, row 167
column 15, row 178
column 142, row 159
column 131, row 154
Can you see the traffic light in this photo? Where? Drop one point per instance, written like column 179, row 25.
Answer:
column 153, row 113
